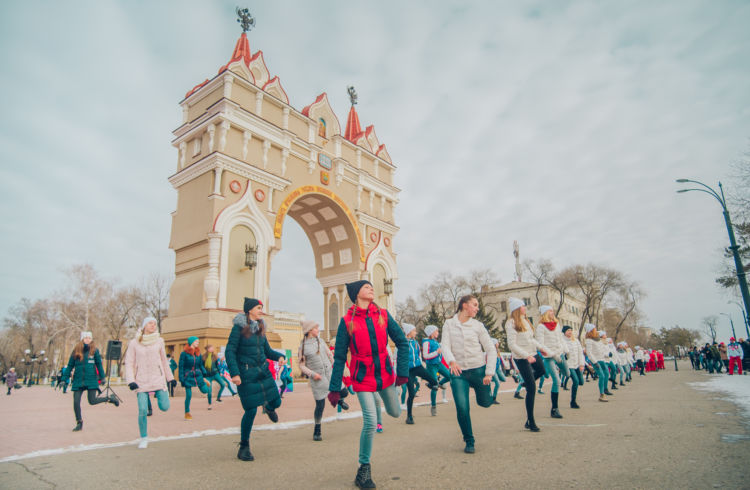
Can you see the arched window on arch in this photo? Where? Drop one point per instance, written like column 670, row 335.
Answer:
column 240, row 279
column 378, row 277
column 333, row 319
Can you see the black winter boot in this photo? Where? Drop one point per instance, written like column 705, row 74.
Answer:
column 364, row 477
column 555, row 413
column 531, row 425
column 244, row 453
column 78, row 426
column 316, row 433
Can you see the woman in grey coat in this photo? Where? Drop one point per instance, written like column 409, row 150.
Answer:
column 316, row 362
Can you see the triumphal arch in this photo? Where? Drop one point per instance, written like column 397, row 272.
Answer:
column 247, row 161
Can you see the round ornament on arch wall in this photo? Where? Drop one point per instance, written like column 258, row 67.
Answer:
column 260, row 196
column 387, row 241
column 235, row 186
column 373, row 237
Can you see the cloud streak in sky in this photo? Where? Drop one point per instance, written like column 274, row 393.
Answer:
column 562, row 126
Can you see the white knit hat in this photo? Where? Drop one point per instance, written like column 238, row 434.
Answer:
column 430, row 329
column 407, row 327
column 308, row 325
column 602, row 332
column 515, row 303
column 589, row 327
column 544, row 309
column 86, row 334
column 147, row 320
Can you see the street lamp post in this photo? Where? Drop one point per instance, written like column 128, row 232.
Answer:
column 731, row 323
column 741, row 276
column 744, row 317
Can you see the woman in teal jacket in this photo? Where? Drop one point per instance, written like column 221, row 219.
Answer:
column 247, row 353
column 85, row 367
column 192, row 374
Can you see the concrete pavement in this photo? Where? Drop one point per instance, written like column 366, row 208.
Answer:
column 656, row 432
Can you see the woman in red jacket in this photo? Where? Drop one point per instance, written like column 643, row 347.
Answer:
column 364, row 330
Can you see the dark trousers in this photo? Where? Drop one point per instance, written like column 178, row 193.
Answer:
column 93, row 400
column 412, row 384
column 640, row 366
column 469, row 378
column 529, row 375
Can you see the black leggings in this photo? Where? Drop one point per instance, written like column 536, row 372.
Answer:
column 93, row 400
column 529, row 382
column 319, row 406
column 411, row 386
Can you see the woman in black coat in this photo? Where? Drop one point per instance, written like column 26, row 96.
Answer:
column 247, row 356
column 85, row 367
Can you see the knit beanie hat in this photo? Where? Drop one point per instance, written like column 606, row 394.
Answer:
column 602, row 333
column 251, row 303
column 589, row 327
column 731, row 339
column 544, row 309
column 86, row 334
column 352, row 289
column 430, row 329
column 147, row 320
column 192, row 339
column 308, row 325
column 407, row 327
column 566, row 328
column 514, row 304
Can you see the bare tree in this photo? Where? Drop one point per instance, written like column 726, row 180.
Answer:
column 709, row 326
column 153, row 295
column 80, row 301
column 561, row 282
column 627, row 300
column 541, row 271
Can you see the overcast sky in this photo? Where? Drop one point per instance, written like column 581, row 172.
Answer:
column 558, row 124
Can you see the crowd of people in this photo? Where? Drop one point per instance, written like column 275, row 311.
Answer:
column 732, row 357
column 360, row 362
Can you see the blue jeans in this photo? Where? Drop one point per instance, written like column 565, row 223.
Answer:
column 576, row 376
column 369, row 417
column 223, row 383
column 162, row 399
column 549, row 362
column 469, row 378
column 204, row 388
column 602, row 371
column 434, row 370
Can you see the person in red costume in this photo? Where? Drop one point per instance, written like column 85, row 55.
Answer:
column 660, row 360
column 364, row 331
column 651, row 366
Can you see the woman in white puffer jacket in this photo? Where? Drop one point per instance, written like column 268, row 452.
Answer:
column 524, row 347
column 575, row 362
column 595, row 351
column 549, row 334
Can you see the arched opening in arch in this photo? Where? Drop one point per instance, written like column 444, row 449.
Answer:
column 328, row 226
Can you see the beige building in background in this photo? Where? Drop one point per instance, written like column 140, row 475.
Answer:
column 246, row 161
column 496, row 299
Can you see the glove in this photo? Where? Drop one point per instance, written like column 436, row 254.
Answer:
column 133, row 386
column 334, row 397
column 400, row 380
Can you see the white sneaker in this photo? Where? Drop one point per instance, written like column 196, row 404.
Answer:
column 143, row 444
column 403, row 406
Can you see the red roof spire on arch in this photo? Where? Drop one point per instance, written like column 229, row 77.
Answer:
column 241, row 52
column 353, row 129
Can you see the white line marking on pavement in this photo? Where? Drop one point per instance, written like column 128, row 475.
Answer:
column 201, row 433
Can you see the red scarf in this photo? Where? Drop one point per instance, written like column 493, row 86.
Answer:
column 550, row 326
column 193, row 352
